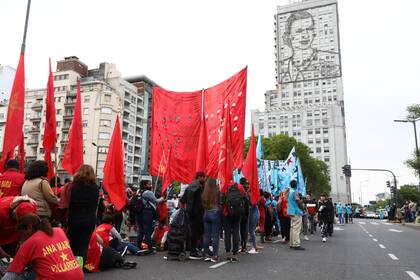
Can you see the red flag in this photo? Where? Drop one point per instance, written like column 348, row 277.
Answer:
column 114, row 179
column 175, row 123
column 226, row 155
column 167, row 176
column 250, row 170
column 202, row 151
column 233, row 90
column 22, row 154
column 50, row 134
column 14, row 124
column 73, row 155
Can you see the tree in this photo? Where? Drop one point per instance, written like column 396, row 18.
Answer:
column 316, row 171
column 408, row 192
column 414, row 162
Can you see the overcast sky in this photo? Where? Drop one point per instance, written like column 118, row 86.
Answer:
column 187, row 45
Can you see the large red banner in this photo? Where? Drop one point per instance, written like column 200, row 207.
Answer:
column 176, row 118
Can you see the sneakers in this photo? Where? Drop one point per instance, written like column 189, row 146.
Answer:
column 234, row 258
column 207, row 259
column 228, row 256
column 253, row 251
column 242, row 251
column 306, row 237
column 214, row 259
column 129, row 265
column 324, row 239
column 195, row 256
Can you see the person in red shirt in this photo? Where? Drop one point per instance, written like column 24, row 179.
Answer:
column 159, row 236
column 11, row 181
column 11, row 210
column 46, row 250
column 261, row 221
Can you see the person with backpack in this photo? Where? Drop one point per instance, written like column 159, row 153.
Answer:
column 233, row 209
column 245, row 217
column 144, row 205
column 194, row 210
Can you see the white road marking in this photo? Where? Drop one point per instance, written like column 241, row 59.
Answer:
column 395, row 230
column 374, row 223
column 382, row 246
column 376, row 240
column 413, row 275
column 219, row 264
column 362, row 223
column 370, row 235
column 392, row 256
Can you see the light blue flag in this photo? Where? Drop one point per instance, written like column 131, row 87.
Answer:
column 260, row 165
column 301, row 185
column 289, row 169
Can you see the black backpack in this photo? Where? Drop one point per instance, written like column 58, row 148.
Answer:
column 235, row 201
column 193, row 193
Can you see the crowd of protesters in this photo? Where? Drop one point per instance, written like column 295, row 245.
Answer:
column 53, row 230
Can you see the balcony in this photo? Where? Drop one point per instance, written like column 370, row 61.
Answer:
column 35, row 118
column 33, row 142
column 68, row 117
column 65, row 129
column 34, row 129
column 30, row 158
column 37, row 106
column 70, row 104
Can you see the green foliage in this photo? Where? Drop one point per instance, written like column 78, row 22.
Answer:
column 413, row 112
column 414, row 163
column 316, row 171
column 408, row 192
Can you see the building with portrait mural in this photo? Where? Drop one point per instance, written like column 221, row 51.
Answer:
column 308, row 102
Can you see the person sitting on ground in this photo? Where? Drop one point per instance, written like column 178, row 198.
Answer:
column 11, row 181
column 45, row 250
column 160, row 234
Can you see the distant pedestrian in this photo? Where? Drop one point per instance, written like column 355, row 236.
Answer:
column 323, row 216
column 349, row 209
column 340, row 212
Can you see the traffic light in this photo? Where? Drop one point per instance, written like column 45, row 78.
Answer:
column 346, row 170
column 394, row 190
column 388, row 184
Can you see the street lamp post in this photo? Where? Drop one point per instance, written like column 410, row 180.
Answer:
column 97, row 154
column 361, row 183
column 415, row 138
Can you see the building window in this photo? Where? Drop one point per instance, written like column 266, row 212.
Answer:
column 326, row 150
column 102, row 150
column 310, row 132
column 107, row 97
column 325, row 140
column 106, row 110
column 106, row 123
column 325, row 130
column 87, row 99
column 317, row 131
column 84, row 124
column 318, row 150
column 104, row 135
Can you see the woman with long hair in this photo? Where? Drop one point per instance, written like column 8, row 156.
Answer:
column 37, row 187
column 82, row 209
column 46, row 250
column 212, row 218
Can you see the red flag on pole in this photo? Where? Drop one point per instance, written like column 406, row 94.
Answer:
column 73, row 155
column 114, row 180
column 22, row 154
column 225, row 155
column 202, row 151
column 50, row 134
column 250, row 170
column 167, row 176
column 14, row 124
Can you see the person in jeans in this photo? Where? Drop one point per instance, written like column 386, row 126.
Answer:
column 194, row 208
column 295, row 211
column 254, row 216
column 349, row 211
column 212, row 219
column 245, row 217
column 340, row 212
column 232, row 218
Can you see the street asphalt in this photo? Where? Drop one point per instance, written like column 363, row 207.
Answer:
column 367, row 249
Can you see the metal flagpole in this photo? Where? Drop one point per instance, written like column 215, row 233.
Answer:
column 26, row 27
column 56, row 169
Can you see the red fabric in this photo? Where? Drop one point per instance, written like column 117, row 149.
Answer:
column 175, row 123
column 22, row 154
column 202, row 151
column 233, row 90
column 11, row 182
column 167, row 175
column 114, row 179
column 225, row 151
column 73, row 155
column 14, row 123
column 104, row 232
column 93, row 255
column 159, row 233
column 261, row 210
column 50, row 133
column 250, row 170
column 162, row 209
column 50, row 256
column 8, row 233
